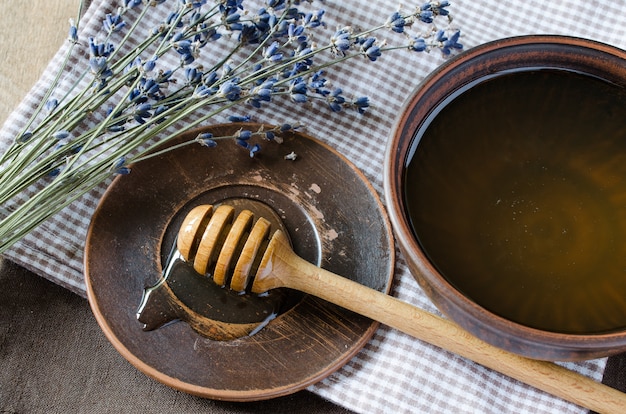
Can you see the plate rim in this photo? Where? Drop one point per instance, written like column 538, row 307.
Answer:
column 255, row 394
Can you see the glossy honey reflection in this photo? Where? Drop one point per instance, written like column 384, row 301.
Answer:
column 196, row 284
column 516, row 191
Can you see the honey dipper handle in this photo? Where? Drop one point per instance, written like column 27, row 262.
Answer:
column 287, row 269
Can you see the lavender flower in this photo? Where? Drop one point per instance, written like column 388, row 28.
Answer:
column 336, row 100
column 242, row 138
column 129, row 4
column 298, row 90
column 24, row 137
column 448, row 44
column 203, row 91
column 141, row 112
column 113, row 23
column 272, row 53
column 313, row 20
column 396, row 22
column 341, row 41
column 418, row 44
column 239, row 118
column 206, row 139
column 361, row 104
column 261, row 93
column 73, row 32
column 370, row 49
column 51, row 105
column 227, row 56
column 296, row 34
column 230, row 90
column 103, row 49
column 120, row 167
column 193, row 76
column 243, row 135
column 425, row 13
column 99, row 67
column 62, row 134
column 439, row 8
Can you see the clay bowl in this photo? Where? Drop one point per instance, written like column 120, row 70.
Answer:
column 504, row 181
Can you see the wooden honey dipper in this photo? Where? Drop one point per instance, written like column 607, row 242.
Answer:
column 241, row 253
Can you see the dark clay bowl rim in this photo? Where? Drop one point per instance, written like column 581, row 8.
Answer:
column 530, row 51
column 124, row 248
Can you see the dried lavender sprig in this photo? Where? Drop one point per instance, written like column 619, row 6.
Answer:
column 89, row 157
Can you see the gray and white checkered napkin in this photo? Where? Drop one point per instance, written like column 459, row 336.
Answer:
column 394, row 373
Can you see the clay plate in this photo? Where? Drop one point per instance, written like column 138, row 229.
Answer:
column 334, row 219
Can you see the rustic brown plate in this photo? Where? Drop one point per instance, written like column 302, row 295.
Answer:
column 334, row 219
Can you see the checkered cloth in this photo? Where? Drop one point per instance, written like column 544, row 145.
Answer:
column 394, row 373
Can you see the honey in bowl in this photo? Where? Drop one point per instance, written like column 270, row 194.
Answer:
column 516, row 192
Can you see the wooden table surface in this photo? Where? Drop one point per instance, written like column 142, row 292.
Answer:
column 30, row 34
